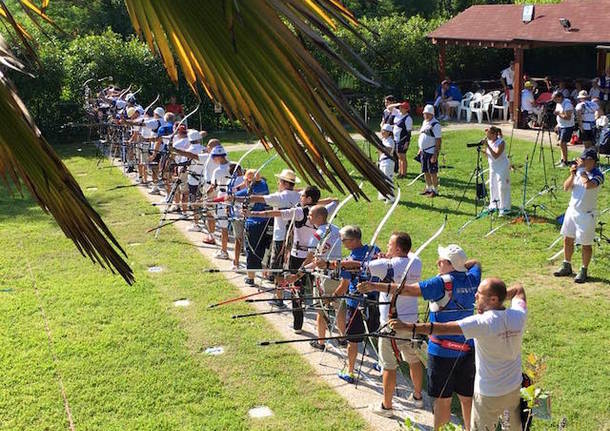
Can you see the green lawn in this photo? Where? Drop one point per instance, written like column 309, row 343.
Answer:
column 568, row 323
column 130, row 360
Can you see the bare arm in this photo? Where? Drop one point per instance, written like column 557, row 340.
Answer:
column 449, row 328
column 569, row 182
column 496, row 154
column 516, row 291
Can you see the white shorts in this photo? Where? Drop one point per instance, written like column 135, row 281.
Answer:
column 580, row 226
column 221, row 217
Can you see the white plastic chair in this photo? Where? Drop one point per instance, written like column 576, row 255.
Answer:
column 481, row 108
column 500, row 105
column 464, row 105
column 475, row 103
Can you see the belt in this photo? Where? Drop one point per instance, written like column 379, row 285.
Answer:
column 451, row 345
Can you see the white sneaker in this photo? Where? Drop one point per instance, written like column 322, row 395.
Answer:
column 380, row 410
column 155, row 191
column 417, row 403
column 221, row 254
column 195, row 228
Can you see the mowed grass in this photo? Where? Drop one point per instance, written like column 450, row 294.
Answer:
column 568, row 324
column 130, row 360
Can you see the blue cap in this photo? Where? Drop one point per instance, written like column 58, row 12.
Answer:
column 589, row 154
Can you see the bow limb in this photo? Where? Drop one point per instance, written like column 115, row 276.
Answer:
column 403, row 281
column 152, row 103
column 384, row 220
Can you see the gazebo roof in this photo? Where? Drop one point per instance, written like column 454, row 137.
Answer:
column 501, row 26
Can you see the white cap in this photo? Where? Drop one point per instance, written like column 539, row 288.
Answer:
column 387, row 128
column 159, row 112
column 194, row 135
column 428, row 109
column 218, row 151
column 582, row 94
column 120, row 104
column 454, row 254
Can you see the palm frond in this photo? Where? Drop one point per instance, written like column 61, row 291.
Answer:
column 27, row 158
column 248, row 55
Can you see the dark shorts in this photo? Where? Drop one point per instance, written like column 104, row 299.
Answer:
column 586, row 135
column 402, row 147
column 427, row 167
column 356, row 325
column 194, row 193
column 447, row 376
column 277, row 255
column 565, row 134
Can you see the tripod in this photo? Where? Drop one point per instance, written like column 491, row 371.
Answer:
column 539, row 144
column 477, row 176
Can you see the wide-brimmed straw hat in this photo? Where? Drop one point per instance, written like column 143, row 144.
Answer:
column 288, row 175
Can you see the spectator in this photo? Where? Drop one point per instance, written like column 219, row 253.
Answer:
column 429, row 143
column 175, row 107
column 585, row 114
column 574, row 93
column 564, row 110
column 604, row 85
column 528, row 102
column 403, row 126
column 388, row 113
column 595, row 91
column 579, row 221
column 507, row 78
column 386, row 163
column 448, row 98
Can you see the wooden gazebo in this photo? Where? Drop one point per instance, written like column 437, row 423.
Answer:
column 519, row 27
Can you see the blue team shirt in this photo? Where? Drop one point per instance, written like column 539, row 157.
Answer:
column 359, row 254
column 166, row 129
column 259, row 188
column 465, row 285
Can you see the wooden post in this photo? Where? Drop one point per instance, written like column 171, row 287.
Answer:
column 441, row 61
column 517, row 87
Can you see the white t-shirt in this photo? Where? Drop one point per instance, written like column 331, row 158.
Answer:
column 196, row 168
column 302, row 236
column 585, row 200
column 586, row 109
column 565, row 106
column 497, row 337
column 221, row 178
column 181, row 144
column 509, row 76
column 429, row 132
column 500, row 162
column 327, row 242
column 397, row 129
column 406, row 306
column 279, row 201
column 527, row 100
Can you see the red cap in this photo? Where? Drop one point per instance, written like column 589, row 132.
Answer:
column 405, row 105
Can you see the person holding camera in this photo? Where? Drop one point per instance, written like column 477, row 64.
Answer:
column 499, row 171
column 579, row 220
column 564, row 110
column 429, row 143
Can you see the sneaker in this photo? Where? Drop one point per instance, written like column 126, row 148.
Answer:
column 565, row 270
column 417, row 402
column 425, row 192
column 221, row 254
column 209, row 241
column 433, row 194
column 380, row 410
column 249, row 281
column 317, row 345
column 297, row 331
column 195, row 228
column 348, row 377
column 582, row 275
column 377, row 367
column 155, row 191
column 504, row 213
